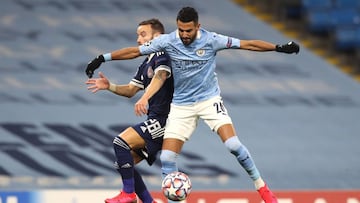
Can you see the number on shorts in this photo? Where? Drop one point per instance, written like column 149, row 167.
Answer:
column 220, row 108
column 154, row 128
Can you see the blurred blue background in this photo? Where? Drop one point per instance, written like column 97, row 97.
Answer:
column 298, row 114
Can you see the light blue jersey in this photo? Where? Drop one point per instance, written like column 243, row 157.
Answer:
column 193, row 66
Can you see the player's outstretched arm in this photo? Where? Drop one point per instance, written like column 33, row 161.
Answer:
column 121, row 54
column 125, row 53
column 259, row 45
column 102, row 83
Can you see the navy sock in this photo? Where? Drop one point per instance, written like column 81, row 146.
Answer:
column 140, row 188
column 124, row 164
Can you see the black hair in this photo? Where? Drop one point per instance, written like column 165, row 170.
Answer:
column 156, row 25
column 188, row 14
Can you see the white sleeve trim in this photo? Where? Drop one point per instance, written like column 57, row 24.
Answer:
column 165, row 68
column 137, row 83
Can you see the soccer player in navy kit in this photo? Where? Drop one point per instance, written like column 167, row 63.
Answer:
column 143, row 140
column 196, row 90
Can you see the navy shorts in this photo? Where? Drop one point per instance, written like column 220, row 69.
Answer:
column 152, row 131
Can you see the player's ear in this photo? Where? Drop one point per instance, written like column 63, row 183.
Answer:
column 198, row 26
column 156, row 34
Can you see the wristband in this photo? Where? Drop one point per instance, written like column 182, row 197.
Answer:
column 112, row 87
column 107, row 57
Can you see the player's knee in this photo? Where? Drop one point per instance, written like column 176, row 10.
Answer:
column 120, row 144
column 168, row 156
column 122, row 151
column 234, row 145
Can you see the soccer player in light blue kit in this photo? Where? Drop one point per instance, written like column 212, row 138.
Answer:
column 196, row 91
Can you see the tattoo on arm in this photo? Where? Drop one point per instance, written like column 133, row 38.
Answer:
column 161, row 75
column 158, row 76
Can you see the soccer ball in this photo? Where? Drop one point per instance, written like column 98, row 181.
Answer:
column 176, row 186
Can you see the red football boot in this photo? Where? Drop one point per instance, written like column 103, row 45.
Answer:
column 123, row 197
column 267, row 195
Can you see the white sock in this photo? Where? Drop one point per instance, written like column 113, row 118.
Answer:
column 259, row 183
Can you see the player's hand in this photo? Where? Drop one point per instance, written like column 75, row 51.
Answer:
column 96, row 84
column 93, row 65
column 141, row 107
column 289, row 48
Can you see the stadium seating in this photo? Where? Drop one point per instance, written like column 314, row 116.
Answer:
column 347, row 4
column 318, row 21
column 347, row 38
column 327, row 20
column 331, row 26
column 316, row 4
column 339, row 19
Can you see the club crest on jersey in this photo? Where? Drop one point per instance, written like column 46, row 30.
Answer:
column 150, row 72
column 200, row 52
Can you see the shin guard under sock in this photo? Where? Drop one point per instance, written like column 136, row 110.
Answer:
column 243, row 156
column 168, row 162
column 124, row 164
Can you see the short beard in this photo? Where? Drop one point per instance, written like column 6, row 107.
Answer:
column 189, row 42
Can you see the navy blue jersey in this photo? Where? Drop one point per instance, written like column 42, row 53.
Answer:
column 159, row 104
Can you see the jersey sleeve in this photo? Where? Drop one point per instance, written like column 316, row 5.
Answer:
column 224, row 42
column 138, row 80
column 162, row 62
column 155, row 45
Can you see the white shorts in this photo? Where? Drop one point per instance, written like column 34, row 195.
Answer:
column 182, row 120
